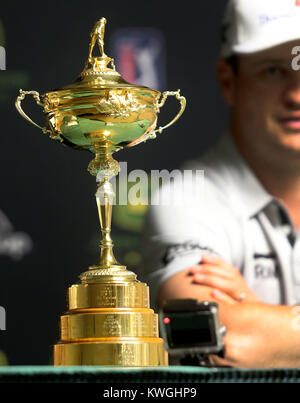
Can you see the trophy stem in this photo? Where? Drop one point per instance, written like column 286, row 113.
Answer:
column 105, row 197
column 105, row 167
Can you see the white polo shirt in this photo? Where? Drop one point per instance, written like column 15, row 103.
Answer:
column 234, row 218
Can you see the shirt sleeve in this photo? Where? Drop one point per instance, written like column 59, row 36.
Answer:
column 176, row 234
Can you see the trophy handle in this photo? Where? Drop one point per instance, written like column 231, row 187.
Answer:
column 182, row 101
column 36, row 96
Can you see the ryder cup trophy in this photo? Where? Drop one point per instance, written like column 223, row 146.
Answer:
column 108, row 321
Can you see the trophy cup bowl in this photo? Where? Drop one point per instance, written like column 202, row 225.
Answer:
column 109, row 321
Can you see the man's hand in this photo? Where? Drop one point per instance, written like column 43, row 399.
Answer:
column 226, row 281
column 258, row 335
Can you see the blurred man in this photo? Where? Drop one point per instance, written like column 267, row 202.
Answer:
column 240, row 244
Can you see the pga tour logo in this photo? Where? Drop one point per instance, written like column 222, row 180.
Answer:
column 140, row 56
column 2, row 58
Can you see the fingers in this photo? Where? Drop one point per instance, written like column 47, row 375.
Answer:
column 210, row 259
column 222, row 297
column 217, row 274
column 220, row 362
column 233, row 287
column 208, row 269
column 215, row 281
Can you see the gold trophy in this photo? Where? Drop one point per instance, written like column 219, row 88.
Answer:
column 109, row 321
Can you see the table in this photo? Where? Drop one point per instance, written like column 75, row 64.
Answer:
column 162, row 375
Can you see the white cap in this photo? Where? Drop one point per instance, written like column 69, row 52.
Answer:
column 253, row 25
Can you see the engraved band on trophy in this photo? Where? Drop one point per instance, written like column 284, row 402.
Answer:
column 108, row 321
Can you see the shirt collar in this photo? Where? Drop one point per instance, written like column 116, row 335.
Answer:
column 245, row 188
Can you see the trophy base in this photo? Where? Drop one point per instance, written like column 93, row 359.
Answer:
column 132, row 352
column 109, row 323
